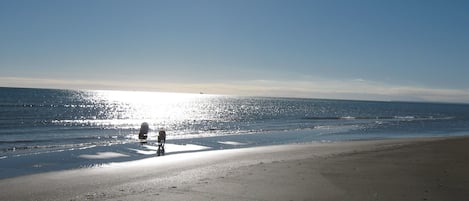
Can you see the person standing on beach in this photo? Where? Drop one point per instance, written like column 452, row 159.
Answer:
column 162, row 136
column 161, row 141
column 143, row 134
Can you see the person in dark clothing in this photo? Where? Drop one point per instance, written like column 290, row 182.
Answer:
column 143, row 134
column 161, row 141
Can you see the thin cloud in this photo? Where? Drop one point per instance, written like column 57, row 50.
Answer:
column 335, row 89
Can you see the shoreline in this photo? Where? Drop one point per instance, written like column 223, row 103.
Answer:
column 28, row 163
column 392, row 169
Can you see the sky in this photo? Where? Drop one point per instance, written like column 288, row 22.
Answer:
column 413, row 50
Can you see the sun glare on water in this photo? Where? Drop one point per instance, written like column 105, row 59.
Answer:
column 182, row 114
column 154, row 107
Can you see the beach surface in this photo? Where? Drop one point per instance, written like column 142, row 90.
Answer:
column 398, row 169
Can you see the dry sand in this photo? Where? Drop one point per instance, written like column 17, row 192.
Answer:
column 404, row 169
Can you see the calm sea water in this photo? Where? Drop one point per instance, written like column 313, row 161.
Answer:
column 45, row 129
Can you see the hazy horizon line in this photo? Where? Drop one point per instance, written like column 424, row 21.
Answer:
column 261, row 88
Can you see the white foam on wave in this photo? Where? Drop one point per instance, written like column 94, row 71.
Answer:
column 170, row 148
column 143, row 152
column 103, row 155
column 232, row 143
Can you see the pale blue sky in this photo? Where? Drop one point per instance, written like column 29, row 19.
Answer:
column 378, row 50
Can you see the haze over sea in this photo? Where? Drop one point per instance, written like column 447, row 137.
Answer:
column 47, row 129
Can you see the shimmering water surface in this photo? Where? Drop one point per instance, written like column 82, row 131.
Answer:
column 39, row 125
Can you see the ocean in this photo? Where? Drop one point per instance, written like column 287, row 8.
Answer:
column 48, row 129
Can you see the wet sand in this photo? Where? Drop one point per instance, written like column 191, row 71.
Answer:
column 402, row 169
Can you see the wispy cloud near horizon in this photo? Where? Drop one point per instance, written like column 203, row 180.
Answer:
column 358, row 89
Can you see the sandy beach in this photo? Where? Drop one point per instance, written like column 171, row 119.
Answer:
column 401, row 169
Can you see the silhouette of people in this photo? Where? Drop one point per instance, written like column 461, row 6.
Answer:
column 143, row 134
column 161, row 141
column 162, row 136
